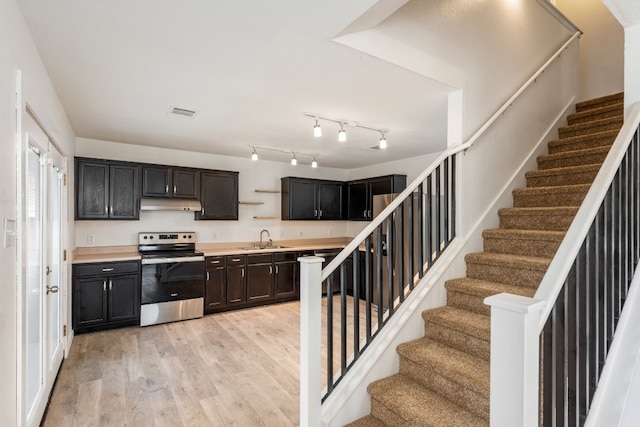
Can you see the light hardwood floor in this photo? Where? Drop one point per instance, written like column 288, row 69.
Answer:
column 238, row 368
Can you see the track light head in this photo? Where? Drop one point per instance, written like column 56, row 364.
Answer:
column 314, row 163
column 294, row 161
column 317, row 130
column 254, row 155
column 383, row 142
column 342, row 135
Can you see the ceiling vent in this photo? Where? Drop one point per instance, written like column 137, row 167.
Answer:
column 183, row 112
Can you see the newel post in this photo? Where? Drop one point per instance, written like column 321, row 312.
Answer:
column 515, row 359
column 310, row 333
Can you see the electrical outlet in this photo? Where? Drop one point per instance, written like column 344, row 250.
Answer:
column 91, row 238
column 214, row 235
column 330, row 232
column 299, row 233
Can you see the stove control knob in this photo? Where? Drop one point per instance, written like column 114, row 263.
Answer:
column 151, row 237
column 145, row 237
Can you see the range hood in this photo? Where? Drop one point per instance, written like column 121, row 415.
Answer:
column 170, row 205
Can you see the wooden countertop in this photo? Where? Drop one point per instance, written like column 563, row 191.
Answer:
column 129, row 253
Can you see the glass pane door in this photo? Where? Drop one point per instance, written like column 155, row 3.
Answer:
column 33, row 344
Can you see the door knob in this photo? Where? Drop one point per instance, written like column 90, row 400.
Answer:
column 52, row 289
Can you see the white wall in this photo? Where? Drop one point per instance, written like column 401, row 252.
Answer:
column 601, row 47
column 17, row 51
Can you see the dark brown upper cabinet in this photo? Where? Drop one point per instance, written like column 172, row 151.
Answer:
column 106, row 189
column 171, row 182
column 360, row 194
column 218, row 195
column 312, row 199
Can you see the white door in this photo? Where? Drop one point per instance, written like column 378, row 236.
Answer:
column 54, row 273
column 33, row 314
column 42, row 271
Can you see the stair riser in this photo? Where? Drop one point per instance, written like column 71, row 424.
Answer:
column 587, row 159
column 537, row 248
column 580, row 144
column 588, row 128
column 384, row 414
column 472, row 401
column 458, row 340
column 596, row 114
column 561, row 179
column 505, row 274
column 548, row 222
column 468, row 302
column 573, row 198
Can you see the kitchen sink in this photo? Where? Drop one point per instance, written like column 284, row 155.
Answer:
column 262, row 248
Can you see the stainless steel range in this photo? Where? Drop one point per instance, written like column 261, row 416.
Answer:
column 172, row 277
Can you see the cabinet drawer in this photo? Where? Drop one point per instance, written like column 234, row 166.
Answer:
column 214, row 261
column 234, row 260
column 285, row 256
column 259, row 259
column 106, row 268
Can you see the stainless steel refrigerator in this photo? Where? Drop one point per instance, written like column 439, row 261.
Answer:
column 380, row 202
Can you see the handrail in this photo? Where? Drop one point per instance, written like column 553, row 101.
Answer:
column 549, row 7
column 420, row 178
column 559, row 268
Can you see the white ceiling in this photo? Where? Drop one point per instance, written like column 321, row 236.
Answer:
column 250, row 68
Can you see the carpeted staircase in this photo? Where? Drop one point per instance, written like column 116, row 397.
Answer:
column 444, row 376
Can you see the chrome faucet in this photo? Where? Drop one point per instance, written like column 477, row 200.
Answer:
column 268, row 236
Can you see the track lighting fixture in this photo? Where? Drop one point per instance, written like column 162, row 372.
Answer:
column 342, row 133
column 317, row 130
column 294, row 155
column 383, row 142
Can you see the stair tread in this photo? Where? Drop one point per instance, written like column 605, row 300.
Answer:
column 517, row 234
column 517, row 261
column 593, row 103
column 574, row 188
column 558, row 210
column 485, row 288
column 460, row 367
column 604, row 135
column 598, row 111
column 574, row 153
column 459, row 320
column 368, row 421
column 586, row 126
column 417, row 405
column 563, row 170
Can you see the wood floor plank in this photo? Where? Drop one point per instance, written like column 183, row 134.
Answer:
column 238, row 368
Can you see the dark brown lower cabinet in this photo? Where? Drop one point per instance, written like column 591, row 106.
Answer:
column 239, row 281
column 215, row 294
column 105, row 295
column 286, row 281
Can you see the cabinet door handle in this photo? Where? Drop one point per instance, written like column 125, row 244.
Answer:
column 166, row 189
column 235, row 259
column 104, row 286
column 174, row 188
column 366, row 215
column 203, row 210
column 207, row 275
column 215, row 262
column 320, row 214
column 277, row 270
column 315, row 212
column 106, row 270
column 270, row 270
column 111, row 209
column 110, row 285
column 242, row 271
column 106, row 209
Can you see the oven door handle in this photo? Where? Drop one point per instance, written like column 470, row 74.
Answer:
column 172, row 260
